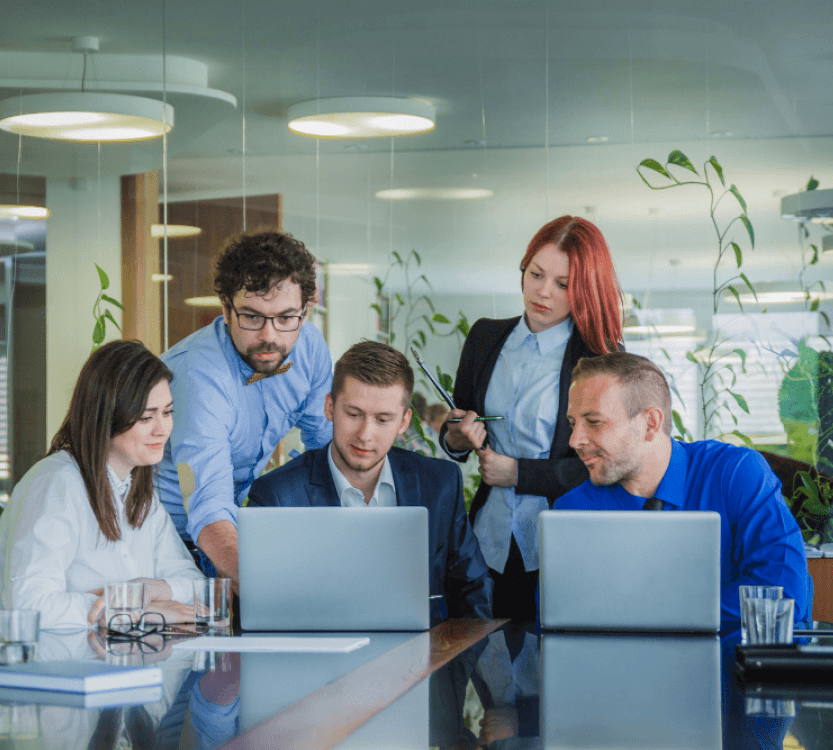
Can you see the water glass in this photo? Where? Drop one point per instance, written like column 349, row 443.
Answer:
column 19, row 631
column 769, row 620
column 755, row 592
column 212, row 605
column 123, row 600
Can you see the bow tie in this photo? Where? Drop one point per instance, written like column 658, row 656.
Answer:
column 260, row 375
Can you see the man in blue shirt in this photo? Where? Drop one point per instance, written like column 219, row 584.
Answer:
column 620, row 413
column 239, row 385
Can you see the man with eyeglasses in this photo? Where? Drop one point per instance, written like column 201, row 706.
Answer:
column 239, row 385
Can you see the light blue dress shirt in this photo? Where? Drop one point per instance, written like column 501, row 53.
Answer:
column 523, row 389
column 226, row 431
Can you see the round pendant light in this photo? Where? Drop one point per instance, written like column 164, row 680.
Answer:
column 86, row 117
column 157, row 231
column 361, row 117
column 14, row 211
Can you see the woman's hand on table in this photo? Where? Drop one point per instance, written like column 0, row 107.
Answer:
column 496, row 469
column 156, row 589
column 172, row 611
column 466, row 435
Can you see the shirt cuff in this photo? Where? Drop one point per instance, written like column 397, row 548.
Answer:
column 456, row 455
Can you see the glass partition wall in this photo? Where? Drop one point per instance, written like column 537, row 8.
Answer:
column 542, row 109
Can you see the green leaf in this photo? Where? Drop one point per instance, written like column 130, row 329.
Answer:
column 825, row 317
column 736, row 295
column 734, row 191
column 741, row 401
column 749, row 285
column 98, row 331
column 379, row 284
column 815, row 258
column 681, row 160
column 814, row 305
column 112, row 301
column 743, row 437
column 690, row 357
column 399, row 299
column 678, row 422
column 717, row 168
column 109, row 316
column 439, row 318
column 398, row 257
column 378, row 309
column 745, row 219
column 102, row 277
column 812, row 183
column 656, row 166
column 742, row 355
column 738, row 253
column 422, row 337
column 445, row 380
column 416, row 255
column 463, row 326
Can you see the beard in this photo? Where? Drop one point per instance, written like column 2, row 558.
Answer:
column 267, row 368
column 610, row 471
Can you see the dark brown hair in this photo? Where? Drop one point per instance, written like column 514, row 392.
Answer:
column 373, row 363
column 643, row 383
column 257, row 260
column 109, row 398
column 593, row 291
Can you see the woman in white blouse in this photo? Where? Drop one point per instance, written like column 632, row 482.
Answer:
column 87, row 513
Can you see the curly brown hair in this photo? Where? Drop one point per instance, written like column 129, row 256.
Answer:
column 254, row 261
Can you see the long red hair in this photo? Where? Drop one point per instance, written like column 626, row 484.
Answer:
column 593, row 291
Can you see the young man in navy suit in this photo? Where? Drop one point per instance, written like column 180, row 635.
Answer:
column 369, row 408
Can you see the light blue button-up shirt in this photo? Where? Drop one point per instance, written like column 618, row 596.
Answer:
column 226, row 431
column 523, row 389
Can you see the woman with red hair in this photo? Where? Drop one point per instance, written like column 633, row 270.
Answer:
column 519, row 369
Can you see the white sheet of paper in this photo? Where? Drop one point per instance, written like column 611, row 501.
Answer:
column 287, row 644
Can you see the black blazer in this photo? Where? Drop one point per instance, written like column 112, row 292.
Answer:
column 550, row 477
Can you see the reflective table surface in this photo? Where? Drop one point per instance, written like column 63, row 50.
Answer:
column 464, row 684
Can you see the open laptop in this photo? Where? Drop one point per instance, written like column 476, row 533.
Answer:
column 630, row 570
column 333, row 568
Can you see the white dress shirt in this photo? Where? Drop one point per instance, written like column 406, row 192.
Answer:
column 53, row 552
column 384, row 493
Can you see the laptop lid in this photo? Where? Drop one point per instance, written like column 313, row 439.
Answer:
column 630, row 570
column 333, row 568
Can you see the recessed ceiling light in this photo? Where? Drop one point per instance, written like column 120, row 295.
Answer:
column 211, row 301
column 434, row 194
column 783, row 298
column 666, row 329
column 157, row 231
column 161, row 277
column 596, row 139
column 361, row 117
column 12, row 211
column 86, row 117
column 349, row 269
column 722, row 134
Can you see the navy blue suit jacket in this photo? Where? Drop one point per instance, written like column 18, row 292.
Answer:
column 457, row 568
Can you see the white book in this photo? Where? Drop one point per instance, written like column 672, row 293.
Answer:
column 74, row 676
column 104, row 699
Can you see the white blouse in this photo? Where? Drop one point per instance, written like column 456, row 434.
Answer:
column 53, row 552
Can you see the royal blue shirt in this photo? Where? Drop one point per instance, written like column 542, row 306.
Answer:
column 760, row 542
column 226, row 431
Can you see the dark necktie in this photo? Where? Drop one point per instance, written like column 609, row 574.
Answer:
column 653, row 503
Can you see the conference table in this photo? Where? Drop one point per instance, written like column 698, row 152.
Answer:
column 462, row 684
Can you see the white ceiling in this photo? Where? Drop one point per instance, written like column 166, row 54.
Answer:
column 507, row 78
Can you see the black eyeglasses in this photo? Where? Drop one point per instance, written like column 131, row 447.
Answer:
column 122, row 627
column 281, row 323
